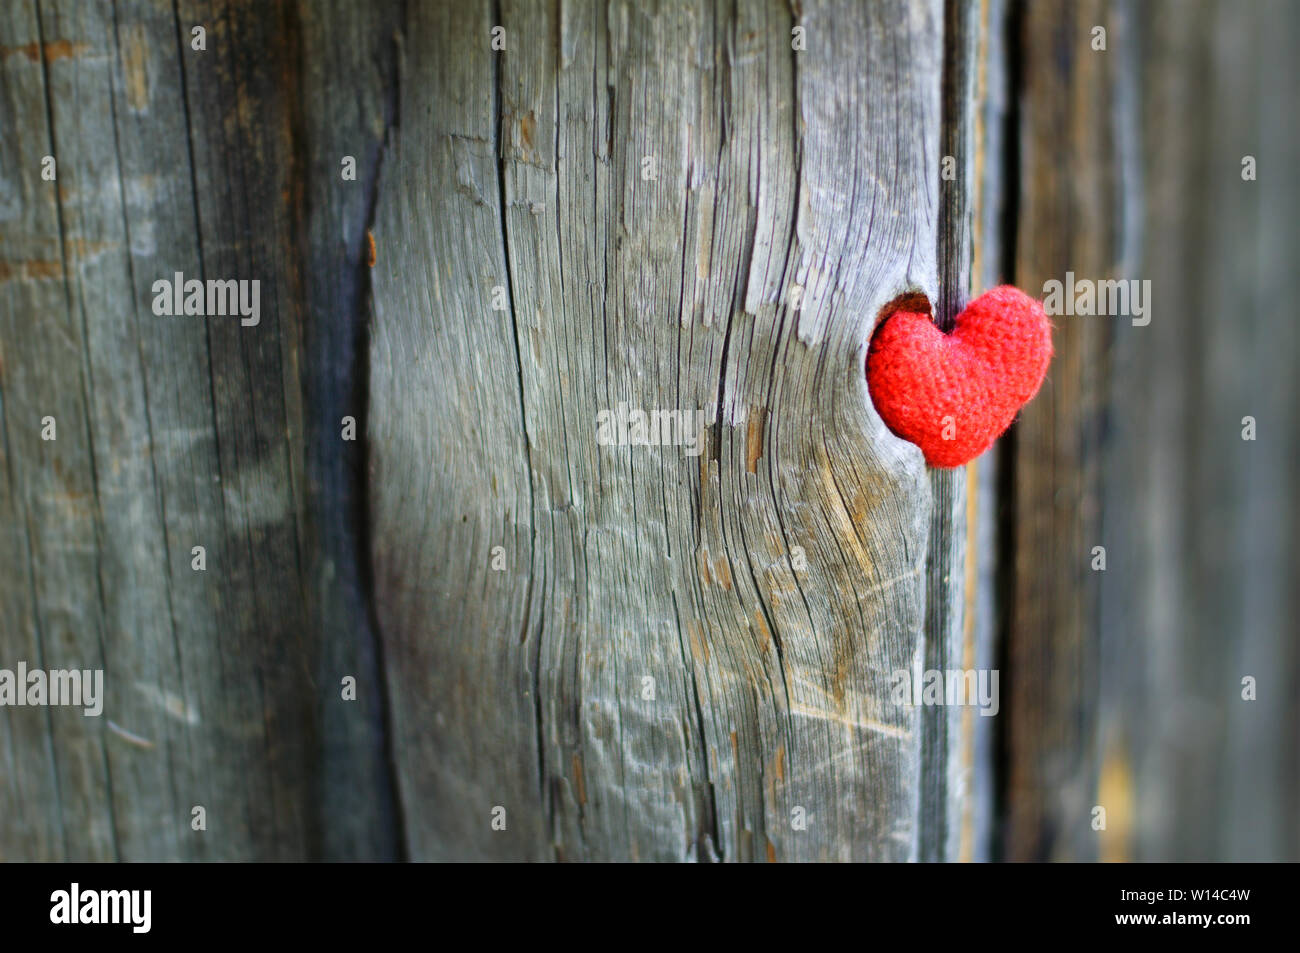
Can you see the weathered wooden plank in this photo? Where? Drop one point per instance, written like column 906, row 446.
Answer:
column 772, row 170
column 945, row 603
column 1145, row 600
column 1261, row 770
column 173, row 432
column 55, row 766
column 990, row 265
column 1200, row 591
column 1070, row 216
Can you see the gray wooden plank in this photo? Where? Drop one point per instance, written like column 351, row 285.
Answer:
column 771, row 682
column 173, row 432
column 56, row 777
column 1205, row 585
column 1072, row 193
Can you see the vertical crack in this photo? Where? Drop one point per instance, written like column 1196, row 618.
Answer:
column 87, row 399
column 359, row 503
column 498, row 140
column 939, row 832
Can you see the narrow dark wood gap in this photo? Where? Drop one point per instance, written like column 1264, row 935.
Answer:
column 943, row 630
column 1005, row 493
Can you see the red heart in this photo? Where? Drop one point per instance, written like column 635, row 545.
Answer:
column 980, row 375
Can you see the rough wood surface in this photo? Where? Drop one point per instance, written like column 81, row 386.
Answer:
column 172, row 433
column 945, row 604
column 525, row 688
column 680, row 657
column 175, row 432
column 670, row 656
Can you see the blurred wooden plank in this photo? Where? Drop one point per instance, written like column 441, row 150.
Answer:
column 1202, row 591
column 1262, row 778
column 173, row 432
column 1135, row 679
column 990, row 266
column 56, row 771
column 1070, row 217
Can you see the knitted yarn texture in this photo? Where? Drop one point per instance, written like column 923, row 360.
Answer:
column 954, row 394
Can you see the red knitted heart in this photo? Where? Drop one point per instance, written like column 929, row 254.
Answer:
column 979, row 376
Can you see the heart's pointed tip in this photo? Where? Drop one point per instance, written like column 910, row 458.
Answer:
column 934, row 464
column 950, row 455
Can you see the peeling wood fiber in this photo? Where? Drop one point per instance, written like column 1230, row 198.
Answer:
column 645, row 191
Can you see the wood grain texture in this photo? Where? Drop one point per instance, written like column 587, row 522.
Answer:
column 1201, row 523
column 682, row 657
column 678, row 656
column 525, row 688
column 1070, row 216
column 1127, row 684
column 945, row 604
column 173, row 432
